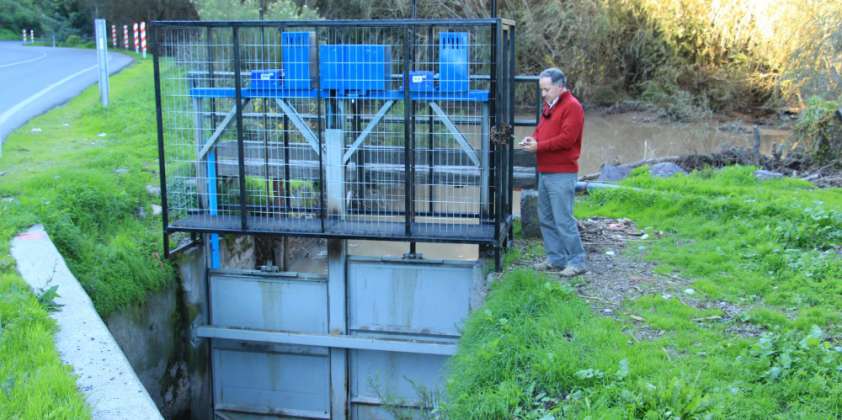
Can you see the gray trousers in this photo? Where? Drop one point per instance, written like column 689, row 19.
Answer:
column 562, row 242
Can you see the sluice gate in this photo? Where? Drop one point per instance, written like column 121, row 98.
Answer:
column 379, row 130
column 366, row 341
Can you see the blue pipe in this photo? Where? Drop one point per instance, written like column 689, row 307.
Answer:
column 212, row 205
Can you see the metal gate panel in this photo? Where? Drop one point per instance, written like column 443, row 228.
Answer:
column 401, row 381
column 283, row 383
column 417, row 298
column 369, row 342
column 278, row 302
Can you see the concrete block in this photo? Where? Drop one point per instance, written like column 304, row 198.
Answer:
column 530, row 227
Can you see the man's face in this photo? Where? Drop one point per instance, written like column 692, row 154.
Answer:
column 549, row 91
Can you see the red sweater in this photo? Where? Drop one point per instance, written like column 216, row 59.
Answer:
column 559, row 136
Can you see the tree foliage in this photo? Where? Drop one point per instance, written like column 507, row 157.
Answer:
column 250, row 10
column 695, row 54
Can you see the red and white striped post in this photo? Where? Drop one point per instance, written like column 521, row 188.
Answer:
column 126, row 36
column 143, row 38
column 114, row 36
column 24, row 35
column 31, row 36
column 136, row 38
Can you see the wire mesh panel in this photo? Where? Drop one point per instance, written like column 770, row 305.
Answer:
column 357, row 129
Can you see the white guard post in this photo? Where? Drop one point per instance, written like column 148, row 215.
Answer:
column 102, row 59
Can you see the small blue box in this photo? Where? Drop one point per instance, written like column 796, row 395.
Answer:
column 266, row 79
column 421, row 81
column 454, row 62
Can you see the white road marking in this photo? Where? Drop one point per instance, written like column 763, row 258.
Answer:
column 24, row 61
column 8, row 114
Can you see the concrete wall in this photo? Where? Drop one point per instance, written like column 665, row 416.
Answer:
column 157, row 338
column 150, row 336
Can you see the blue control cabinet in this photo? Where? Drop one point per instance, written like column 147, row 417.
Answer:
column 298, row 51
column 359, row 68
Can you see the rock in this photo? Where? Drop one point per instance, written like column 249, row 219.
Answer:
column 764, row 175
column 529, row 224
column 689, row 291
column 613, row 172
column 121, row 171
column 153, row 190
column 141, row 212
column 36, row 130
column 665, row 169
column 156, row 209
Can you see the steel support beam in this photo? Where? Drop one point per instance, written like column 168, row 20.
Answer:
column 296, row 120
column 337, row 254
column 333, row 341
column 229, row 117
column 472, row 154
column 368, row 129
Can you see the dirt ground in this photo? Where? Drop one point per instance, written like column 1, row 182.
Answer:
column 618, row 272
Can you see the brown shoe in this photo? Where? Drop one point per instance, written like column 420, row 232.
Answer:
column 572, row 271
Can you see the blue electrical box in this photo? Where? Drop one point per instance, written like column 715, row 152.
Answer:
column 358, row 68
column 453, row 62
column 421, row 81
column 266, row 79
column 298, row 51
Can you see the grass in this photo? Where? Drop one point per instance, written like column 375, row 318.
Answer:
column 61, row 170
column 34, row 384
column 82, row 171
column 537, row 351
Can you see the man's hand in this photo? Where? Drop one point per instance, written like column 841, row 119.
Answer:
column 529, row 144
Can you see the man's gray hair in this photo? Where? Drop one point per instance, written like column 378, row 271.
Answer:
column 555, row 75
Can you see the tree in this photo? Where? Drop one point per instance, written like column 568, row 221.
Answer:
column 250, row 10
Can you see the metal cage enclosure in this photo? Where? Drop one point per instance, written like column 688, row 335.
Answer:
column 375, row 129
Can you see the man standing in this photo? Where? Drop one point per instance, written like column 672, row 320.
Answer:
column 557, row 142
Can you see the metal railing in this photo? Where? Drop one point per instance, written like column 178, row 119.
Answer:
column 386, row 129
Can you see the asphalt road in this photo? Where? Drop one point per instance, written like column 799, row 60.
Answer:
column 35, row 79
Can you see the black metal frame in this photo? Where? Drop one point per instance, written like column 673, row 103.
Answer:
column 501, row 114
